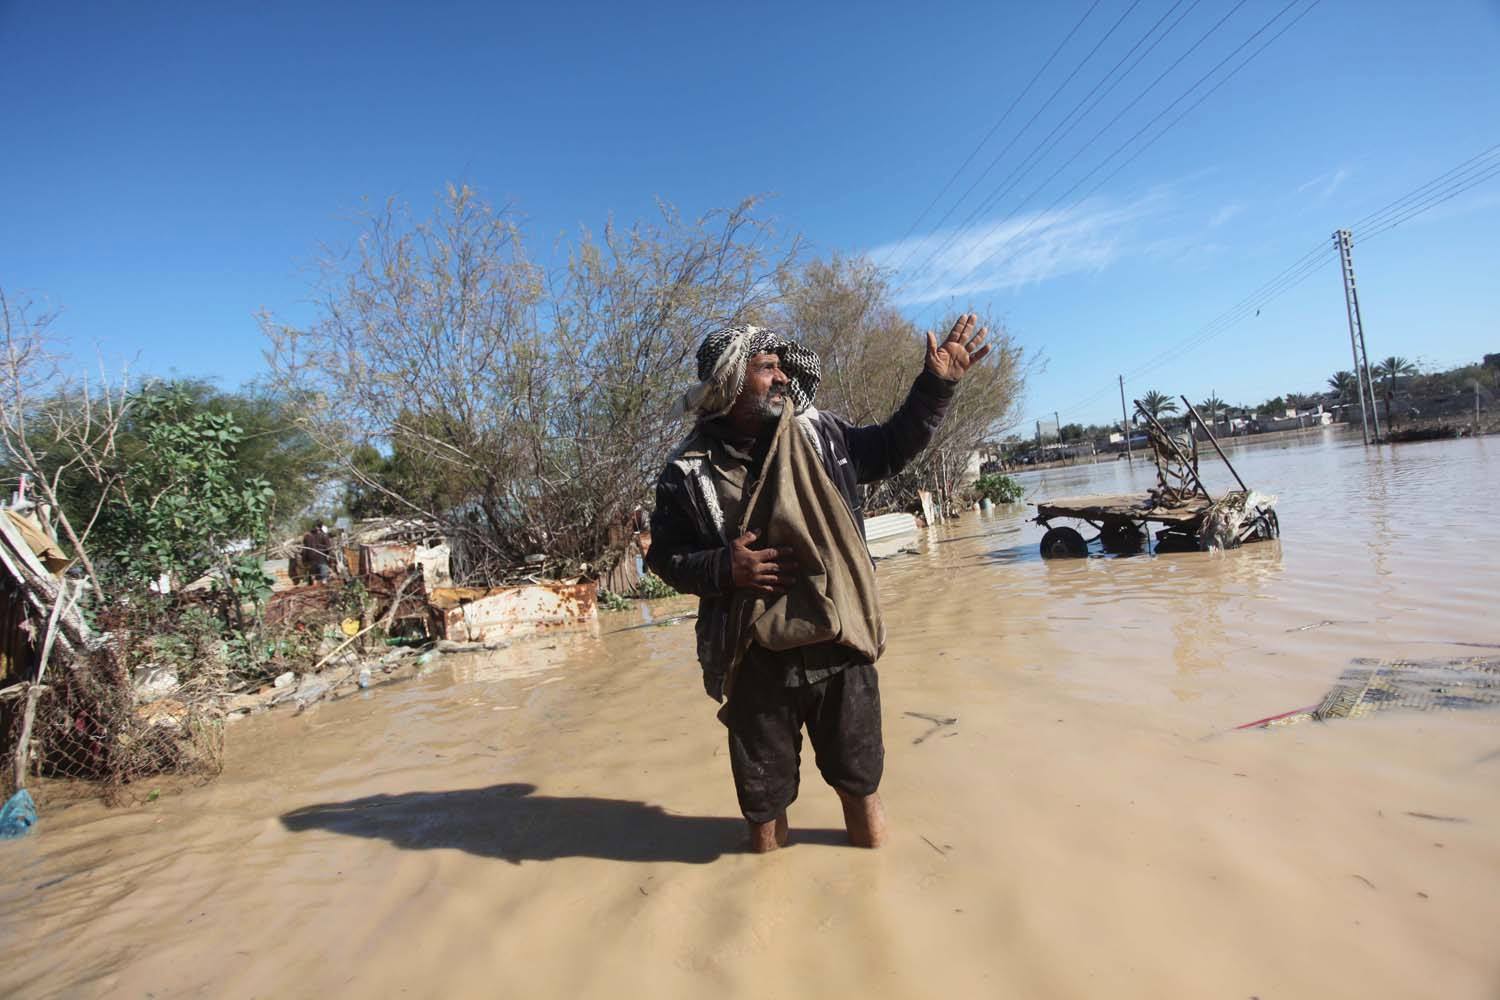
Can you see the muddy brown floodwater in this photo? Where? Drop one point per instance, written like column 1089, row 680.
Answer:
column 557, row 819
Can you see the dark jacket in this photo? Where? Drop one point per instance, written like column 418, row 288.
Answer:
column 317, row 548
column 690, row 544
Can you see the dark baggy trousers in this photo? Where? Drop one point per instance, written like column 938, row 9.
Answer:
column 766, row 718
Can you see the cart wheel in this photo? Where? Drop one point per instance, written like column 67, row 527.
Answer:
column 1120, row 538
column 1175, row 541
column 1063, row 543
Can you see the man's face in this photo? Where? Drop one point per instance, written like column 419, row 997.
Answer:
column 763, row 394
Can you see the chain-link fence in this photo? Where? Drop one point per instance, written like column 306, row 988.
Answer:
column 82, row 722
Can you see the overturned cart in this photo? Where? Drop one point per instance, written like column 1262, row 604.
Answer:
column 1188, row 517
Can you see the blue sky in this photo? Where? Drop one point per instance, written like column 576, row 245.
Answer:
column 168, row 169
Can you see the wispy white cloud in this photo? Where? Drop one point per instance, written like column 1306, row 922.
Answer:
column 1325, row 184
column 1224, row 214
column 994, row 255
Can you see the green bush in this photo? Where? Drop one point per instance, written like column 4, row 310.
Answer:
column 997, row 487
column 611, row 601
column 652, row 587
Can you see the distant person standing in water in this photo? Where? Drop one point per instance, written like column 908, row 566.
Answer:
column 760, row 513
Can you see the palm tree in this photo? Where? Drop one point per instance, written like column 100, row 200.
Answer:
column 1157, row 403
column 1391, row 369
column 1211, row 408
column 1275, row 407
column 1343, row 383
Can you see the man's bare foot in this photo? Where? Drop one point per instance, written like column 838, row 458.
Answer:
column 768, row 836
column 864, row 818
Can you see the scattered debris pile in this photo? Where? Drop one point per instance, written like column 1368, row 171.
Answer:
column 1238, row 517
column 67, row 705
column 148, row 691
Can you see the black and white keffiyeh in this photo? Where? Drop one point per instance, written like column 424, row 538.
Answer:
column 722, row 358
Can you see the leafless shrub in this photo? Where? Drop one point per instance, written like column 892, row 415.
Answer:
column 842, row 309
column 53, row 426
column 522, row 413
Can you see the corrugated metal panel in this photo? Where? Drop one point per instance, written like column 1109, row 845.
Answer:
column 386, row 557
column 889, row 526
column 512, row 611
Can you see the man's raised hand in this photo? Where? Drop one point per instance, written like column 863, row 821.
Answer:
column 960, row 349
column 769, row 571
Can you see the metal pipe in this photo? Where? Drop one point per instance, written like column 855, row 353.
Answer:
column 1186, row 465
column 1215, row 442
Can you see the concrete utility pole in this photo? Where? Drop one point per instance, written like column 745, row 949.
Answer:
column 1125, row 424
column 1344, row 240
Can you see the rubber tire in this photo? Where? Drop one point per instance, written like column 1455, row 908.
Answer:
column 1063, row 543
column 1122, row 539
column 1172, row 541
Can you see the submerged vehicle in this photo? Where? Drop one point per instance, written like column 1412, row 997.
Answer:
column 1190, row 518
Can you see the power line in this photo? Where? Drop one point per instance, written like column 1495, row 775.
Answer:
column 993, row 129
column 1226, row 321
column 1369, row 219
column 1043, row 148
column 1448, row 185
column 1440, row 196
column 1022, row 131
column 1290, row 279
column 1155, row 138
column 1285, row 281
column 1310, row 262
column 1089, row 143
column 1047, row 147
column 1252, row 303
column 1250, row 306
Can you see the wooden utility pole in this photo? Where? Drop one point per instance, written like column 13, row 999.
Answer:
column 1125, row 424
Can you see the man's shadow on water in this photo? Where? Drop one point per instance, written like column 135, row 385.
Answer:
column 512, row 823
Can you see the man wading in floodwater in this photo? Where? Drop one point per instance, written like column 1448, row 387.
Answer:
column 760, row 514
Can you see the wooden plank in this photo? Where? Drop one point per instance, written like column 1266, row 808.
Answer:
column 1118, row 507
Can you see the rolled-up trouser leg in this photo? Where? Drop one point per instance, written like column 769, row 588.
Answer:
column 842, row 714
column 765, row 744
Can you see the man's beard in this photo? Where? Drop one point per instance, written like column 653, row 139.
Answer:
column 768, row 407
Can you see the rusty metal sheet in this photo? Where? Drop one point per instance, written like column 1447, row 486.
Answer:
column 451, row 624
column 448, row 598
column 512, row 611
column 387, row 557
